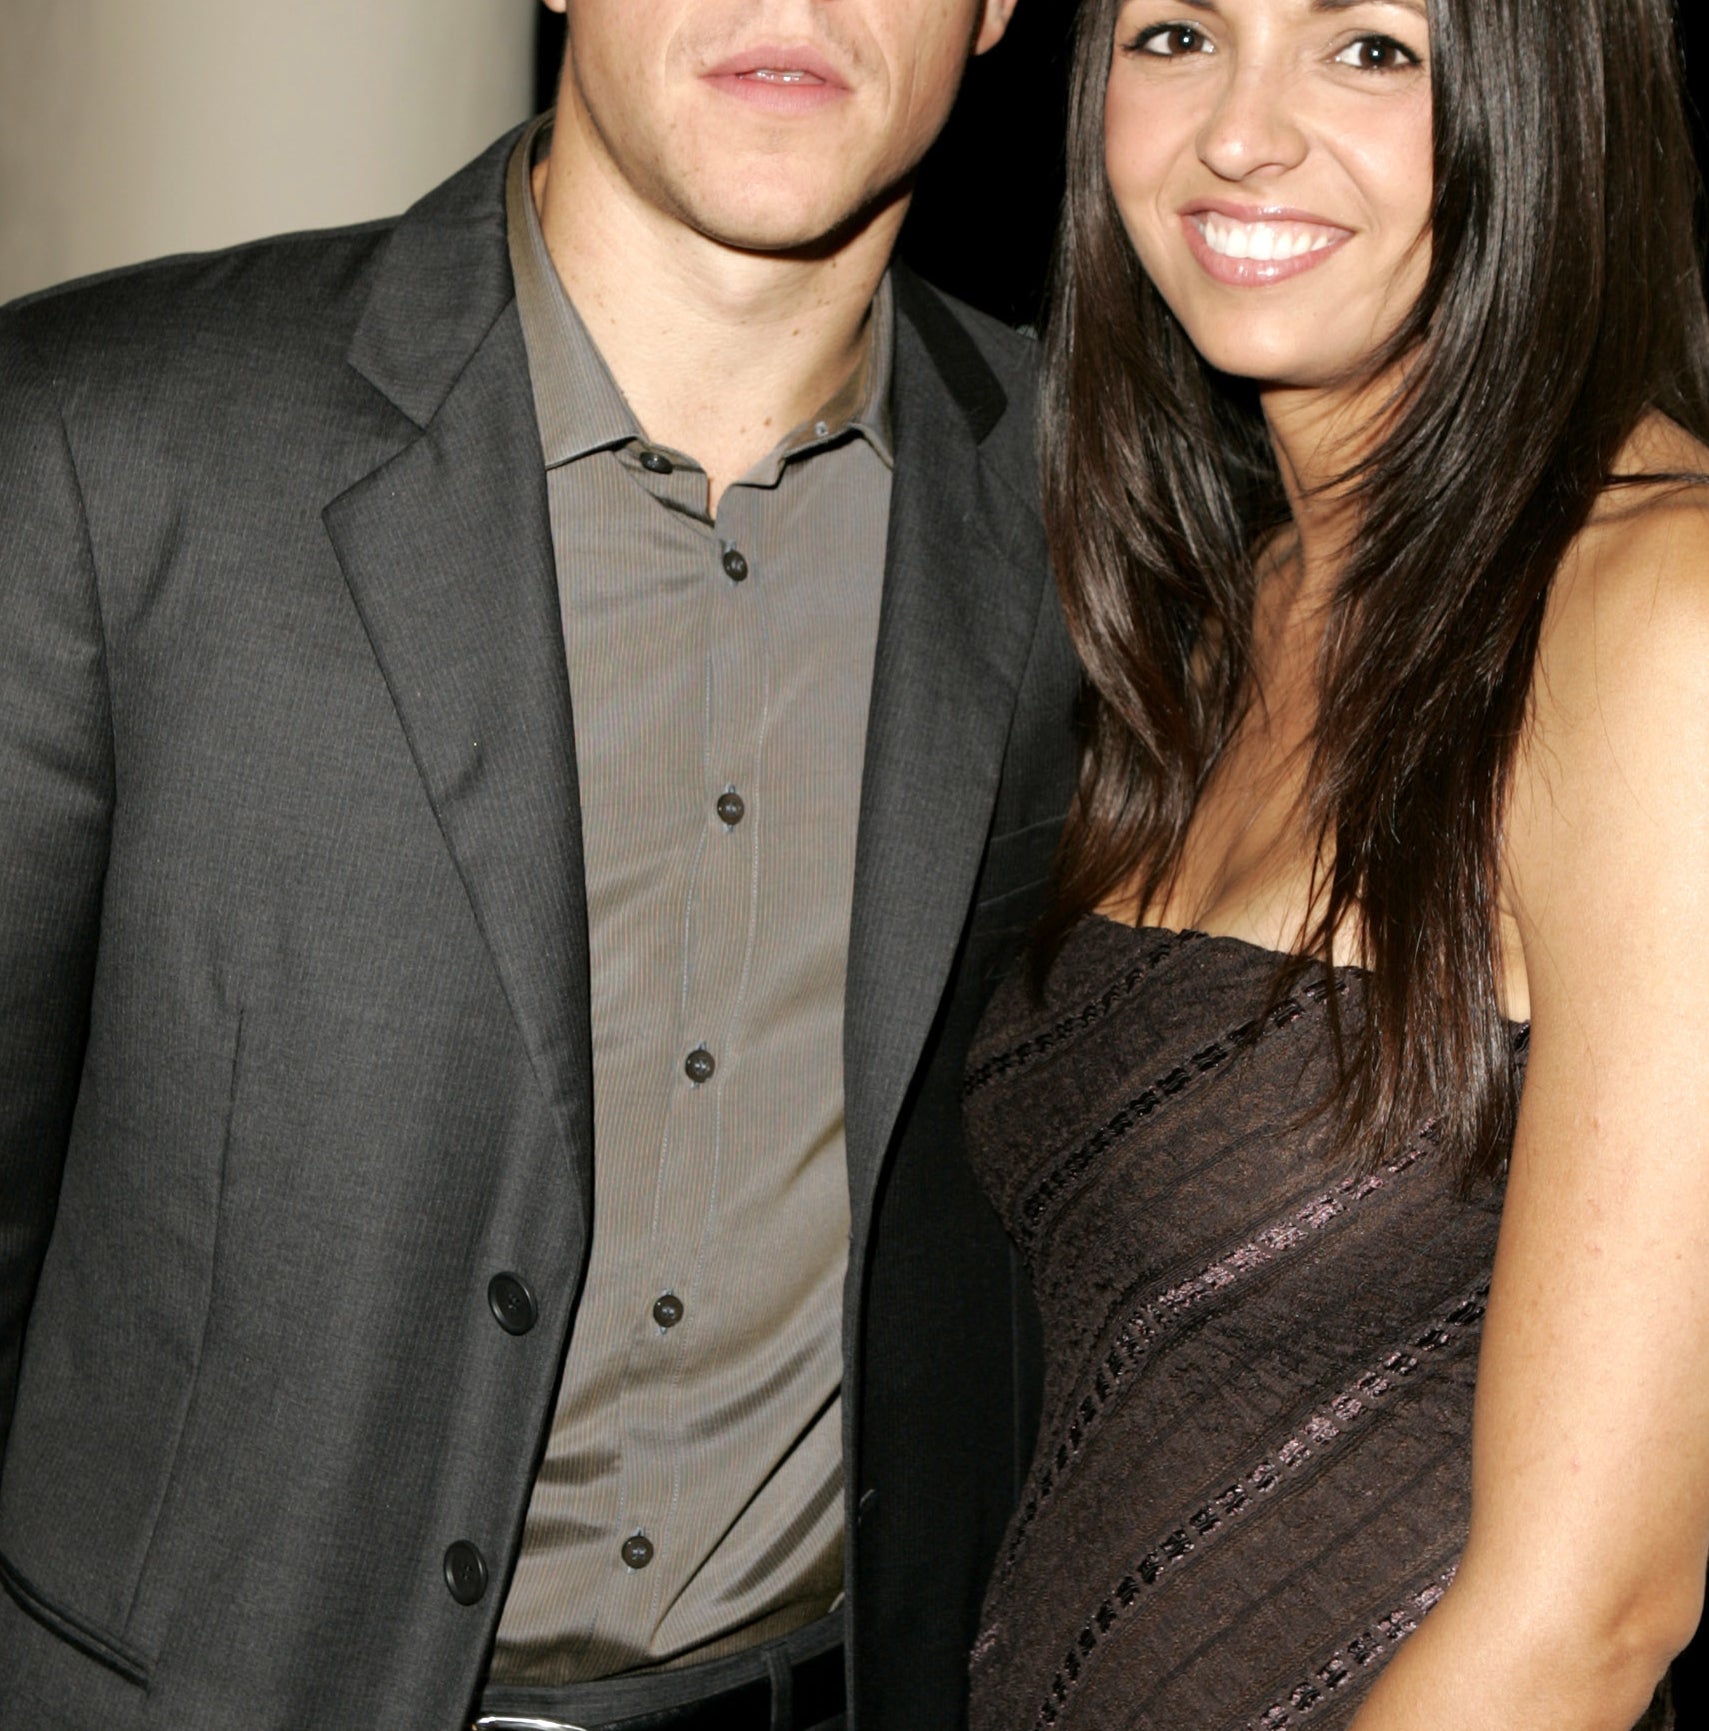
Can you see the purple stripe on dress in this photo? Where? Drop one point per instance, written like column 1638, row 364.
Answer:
column 1067, row 1171
column 1164, row 1314
column 1373, row 1645
column 1036, row 1046
column 1326, row 1429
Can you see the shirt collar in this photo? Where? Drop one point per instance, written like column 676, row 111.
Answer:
column 862, row 407
column 579, row 404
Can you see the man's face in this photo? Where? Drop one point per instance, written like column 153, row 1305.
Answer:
column 767, row 124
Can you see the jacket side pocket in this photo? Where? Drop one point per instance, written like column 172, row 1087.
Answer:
column 93, row 1643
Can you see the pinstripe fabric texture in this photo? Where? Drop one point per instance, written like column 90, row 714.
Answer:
column 690, row 1501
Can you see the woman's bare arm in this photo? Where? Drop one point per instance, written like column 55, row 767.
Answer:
column 1590, row 1499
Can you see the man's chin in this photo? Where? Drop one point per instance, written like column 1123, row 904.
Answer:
column 806, row 228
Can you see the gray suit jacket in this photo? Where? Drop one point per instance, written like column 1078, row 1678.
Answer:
column 294, row 1047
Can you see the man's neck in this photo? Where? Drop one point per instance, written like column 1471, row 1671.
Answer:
column 719, row 352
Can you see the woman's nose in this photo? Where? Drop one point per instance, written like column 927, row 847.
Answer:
column 1253, row 126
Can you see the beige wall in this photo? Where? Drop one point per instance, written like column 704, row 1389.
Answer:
column 130, row 128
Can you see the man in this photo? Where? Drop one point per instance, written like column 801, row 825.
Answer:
column 528, row 733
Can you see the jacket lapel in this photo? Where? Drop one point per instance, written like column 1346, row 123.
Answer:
column 446, row 547
column 962, row 590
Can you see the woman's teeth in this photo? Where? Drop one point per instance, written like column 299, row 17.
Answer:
column 771, row 75
column 1265, row 241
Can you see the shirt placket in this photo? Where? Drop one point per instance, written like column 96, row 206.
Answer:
column 720, row 775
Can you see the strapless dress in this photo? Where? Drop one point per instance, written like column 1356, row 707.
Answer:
column 1253, row 1473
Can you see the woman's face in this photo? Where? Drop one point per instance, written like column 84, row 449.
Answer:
column 1271, row 160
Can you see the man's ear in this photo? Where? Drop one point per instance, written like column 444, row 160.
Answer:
column 994, row 16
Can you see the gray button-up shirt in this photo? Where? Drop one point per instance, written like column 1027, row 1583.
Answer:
column 690, row 1499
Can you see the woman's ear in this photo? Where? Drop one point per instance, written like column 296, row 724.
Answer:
column 993, row 21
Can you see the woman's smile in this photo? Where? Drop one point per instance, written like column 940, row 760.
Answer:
column 1252, row 249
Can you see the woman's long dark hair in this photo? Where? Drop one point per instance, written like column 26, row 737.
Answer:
column 1564, row 300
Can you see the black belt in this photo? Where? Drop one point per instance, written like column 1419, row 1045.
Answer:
column 794, row 1683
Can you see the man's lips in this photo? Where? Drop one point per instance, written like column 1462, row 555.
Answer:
column 1247, row 246
column 783, row 79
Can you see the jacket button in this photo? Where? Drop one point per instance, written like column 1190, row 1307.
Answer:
column 637, row 1550
column 668, row 1310
column 465, row 1573
column 656, row 463
column 731, row 807
column 735, row 566
column 699, row 1065
column 513, row 1304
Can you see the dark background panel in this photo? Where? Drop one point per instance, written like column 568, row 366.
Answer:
column 1694, row 48
column 981, row 228
column 984, row 213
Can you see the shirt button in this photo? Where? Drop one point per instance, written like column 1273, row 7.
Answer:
column 465, row 1573
column 668, row 1310
column 637, row 1550
column 731, row 807
column 512, row 1303
column 699, row 1065
column 735, row 566
column 657, row 463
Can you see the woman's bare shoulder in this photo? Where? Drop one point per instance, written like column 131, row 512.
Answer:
column 1661, row 446
column 1660, row 485
column 1631, row 600
column 1618, row 736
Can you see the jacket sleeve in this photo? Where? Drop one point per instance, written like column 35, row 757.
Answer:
column 56, row 800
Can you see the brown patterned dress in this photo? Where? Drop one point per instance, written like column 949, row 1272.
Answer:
column 1253, row 1474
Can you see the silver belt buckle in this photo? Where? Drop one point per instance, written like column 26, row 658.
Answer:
column 509, row 1722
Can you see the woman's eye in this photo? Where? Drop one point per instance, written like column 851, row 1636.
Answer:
column 1167, row 41
column 1377, row 54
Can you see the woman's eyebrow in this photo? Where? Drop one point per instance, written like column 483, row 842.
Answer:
column 1416, row 7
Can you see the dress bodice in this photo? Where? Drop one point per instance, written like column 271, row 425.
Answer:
column 1253, row 1472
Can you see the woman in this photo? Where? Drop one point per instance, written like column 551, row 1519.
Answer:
column 1365, row 1057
